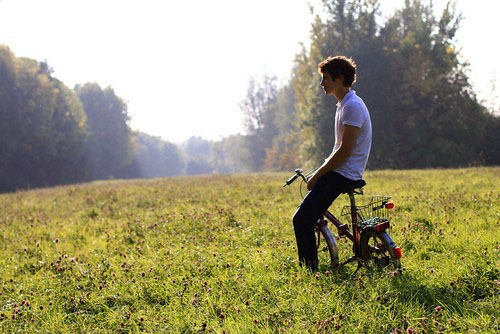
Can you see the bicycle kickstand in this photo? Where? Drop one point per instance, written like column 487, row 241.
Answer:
column 359, row 266
column 352, row 259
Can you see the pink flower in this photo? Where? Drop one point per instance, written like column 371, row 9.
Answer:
column 438, row 308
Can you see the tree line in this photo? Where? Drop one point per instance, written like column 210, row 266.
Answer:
column 423, row 109
column 51, row 134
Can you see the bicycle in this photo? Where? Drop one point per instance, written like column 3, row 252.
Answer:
column 371, row 242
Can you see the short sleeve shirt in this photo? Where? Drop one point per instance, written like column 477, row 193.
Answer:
column 352, row 111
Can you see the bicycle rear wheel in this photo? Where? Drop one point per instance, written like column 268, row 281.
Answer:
column 378, row 248
column 323, row 232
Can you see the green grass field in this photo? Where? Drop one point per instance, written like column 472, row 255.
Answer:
column 216, row 254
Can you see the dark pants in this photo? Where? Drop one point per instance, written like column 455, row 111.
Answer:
column 315, row 203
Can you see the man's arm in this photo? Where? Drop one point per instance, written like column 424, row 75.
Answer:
column 339, row 157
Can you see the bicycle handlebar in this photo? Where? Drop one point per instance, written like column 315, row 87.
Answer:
column 298, row 172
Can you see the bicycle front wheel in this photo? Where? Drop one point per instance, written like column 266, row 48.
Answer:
column 378, row 248
column 323, row 231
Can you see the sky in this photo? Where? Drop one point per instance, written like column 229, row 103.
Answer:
column 183, row 67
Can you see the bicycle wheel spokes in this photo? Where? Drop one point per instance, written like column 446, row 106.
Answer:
column 377, row 251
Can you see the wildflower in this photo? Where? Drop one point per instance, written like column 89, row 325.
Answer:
column 438, row 308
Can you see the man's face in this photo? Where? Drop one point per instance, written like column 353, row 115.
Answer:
column 329, row 85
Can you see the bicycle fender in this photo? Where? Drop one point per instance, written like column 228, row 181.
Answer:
column 387, row 238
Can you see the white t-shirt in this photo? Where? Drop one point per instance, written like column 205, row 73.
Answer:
column 352, row 111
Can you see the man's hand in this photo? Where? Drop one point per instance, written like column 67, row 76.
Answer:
column 312, row 181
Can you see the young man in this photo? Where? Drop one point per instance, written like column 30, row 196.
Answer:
column 346, row 163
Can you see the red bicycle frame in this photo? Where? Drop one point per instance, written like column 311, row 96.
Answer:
column 343, row 229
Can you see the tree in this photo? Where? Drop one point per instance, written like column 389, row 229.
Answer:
column 424, row 112
column 284, row 153
column 230, row 154
column 42, row 126
column 259, row 109
column 156, row 157
column 110, row 146
column 350, row 29
column 197, row 148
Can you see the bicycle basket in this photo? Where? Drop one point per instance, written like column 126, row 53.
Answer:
column 372, row 213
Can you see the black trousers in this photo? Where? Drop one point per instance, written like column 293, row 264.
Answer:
column 314, row 204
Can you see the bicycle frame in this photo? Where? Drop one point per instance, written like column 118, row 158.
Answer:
column 343, row 229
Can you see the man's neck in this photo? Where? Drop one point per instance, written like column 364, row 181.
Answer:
column 342, row 94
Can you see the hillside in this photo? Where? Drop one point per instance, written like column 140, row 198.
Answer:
column 216, row 254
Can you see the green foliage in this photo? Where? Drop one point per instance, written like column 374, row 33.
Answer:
column 283, row 155
column 197, row 152
column 156, row 157
column 259, row 109
column 110, row 144
column 216, row 253
column 230, row 154
column 423, row 110
column 47, row 137
column 42, row 126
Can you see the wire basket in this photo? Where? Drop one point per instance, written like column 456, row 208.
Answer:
column 372, row 213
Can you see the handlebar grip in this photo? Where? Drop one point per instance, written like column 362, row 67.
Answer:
column 290, row 180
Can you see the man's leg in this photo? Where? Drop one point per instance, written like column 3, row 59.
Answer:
column 315, row 203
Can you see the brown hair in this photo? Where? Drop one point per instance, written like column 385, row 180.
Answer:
column 339, row 65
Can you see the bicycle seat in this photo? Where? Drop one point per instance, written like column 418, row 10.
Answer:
column 356, row 185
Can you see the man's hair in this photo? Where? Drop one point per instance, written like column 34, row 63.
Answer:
column 339, row 65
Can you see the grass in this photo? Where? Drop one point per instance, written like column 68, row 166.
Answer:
column 216, row 254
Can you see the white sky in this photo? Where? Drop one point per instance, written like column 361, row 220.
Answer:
column 183, row 66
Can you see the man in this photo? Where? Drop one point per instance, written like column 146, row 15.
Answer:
column 346, row 163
